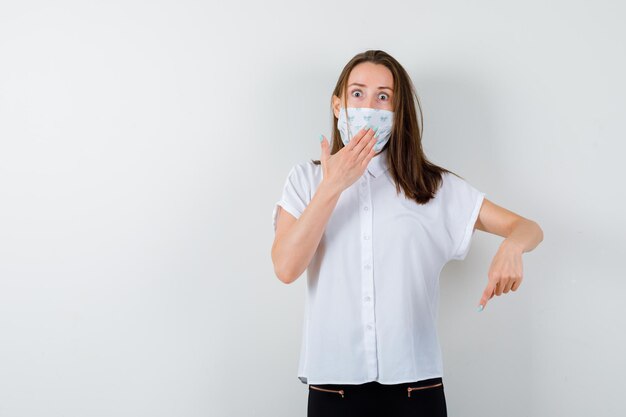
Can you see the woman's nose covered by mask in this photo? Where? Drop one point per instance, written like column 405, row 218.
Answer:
column 358, row 117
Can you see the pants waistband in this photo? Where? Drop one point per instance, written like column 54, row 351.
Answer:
column 378, row 385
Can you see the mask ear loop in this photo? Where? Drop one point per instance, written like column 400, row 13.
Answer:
column 345, row 107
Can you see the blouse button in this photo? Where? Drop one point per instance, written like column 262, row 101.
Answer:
column 367, row 266
column 367, row 298
column 366, row 237
column 365, row 208
column 369, row 327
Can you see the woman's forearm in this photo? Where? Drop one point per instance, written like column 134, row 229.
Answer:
column 295, row 249
column 525, row 235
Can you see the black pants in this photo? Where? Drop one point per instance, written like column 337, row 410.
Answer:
column 423, row 398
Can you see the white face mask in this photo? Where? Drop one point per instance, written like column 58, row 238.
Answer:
column 358, row 117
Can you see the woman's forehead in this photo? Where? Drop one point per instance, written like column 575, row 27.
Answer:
column 371, row 75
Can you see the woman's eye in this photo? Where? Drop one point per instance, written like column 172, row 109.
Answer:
column 358, row 93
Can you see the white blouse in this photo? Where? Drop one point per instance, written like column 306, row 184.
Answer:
column 372, row 293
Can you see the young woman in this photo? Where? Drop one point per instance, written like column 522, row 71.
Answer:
column 374, row 222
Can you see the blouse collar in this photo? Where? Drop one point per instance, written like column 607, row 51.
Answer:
column 378, row 164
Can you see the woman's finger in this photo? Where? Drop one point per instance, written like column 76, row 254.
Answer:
column 508, row 285
column 487, row 294
column 325, row 149
column 354, row 141
column 368, row 151
column 362, row 144
column 370, row 155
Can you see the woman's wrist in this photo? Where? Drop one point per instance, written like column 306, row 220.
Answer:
column 330, row 189
column 512, row 244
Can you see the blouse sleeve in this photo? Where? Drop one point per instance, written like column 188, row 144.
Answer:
column 294, row 196
column 464, row 202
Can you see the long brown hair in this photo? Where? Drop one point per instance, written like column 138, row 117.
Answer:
column 410, row 169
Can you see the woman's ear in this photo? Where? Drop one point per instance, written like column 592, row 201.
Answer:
column 336, row 105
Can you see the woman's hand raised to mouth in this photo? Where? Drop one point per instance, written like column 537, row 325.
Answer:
column 343, row 168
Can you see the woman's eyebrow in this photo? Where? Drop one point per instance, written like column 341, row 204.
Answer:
column 363, row 85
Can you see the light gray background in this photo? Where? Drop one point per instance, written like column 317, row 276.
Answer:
column 144, row 144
